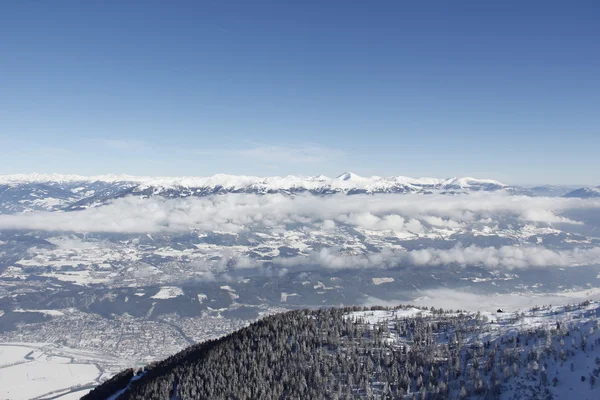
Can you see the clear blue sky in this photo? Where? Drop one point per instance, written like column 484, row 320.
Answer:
column 502, row 89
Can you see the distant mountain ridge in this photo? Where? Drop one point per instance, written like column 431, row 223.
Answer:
column 31, row 192
column 585, row 193
column 346, row 181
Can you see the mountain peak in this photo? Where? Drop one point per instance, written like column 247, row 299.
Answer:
column 349, row 176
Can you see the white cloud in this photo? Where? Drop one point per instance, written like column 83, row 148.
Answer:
column 459, row 300
column 403, row 215
column 234, row 213
column 508, row 257
column 456, row 299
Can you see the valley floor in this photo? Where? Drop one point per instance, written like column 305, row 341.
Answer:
column 46, row 371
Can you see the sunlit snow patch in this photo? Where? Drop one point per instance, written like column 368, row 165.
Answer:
column 54, row 313
column 379, row 281
column 231, row 291
column 37, row 371
column 168, row 292
column 285, row 295
column 376, row 316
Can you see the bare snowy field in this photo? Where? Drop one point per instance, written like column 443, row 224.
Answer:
column 37, row 370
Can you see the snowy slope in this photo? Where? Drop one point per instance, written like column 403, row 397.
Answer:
column 550, row 190
column 19, row 179
column 346, row 183
column 585, row 193
column 554, row 350
column 44, row 193
column 402, row 352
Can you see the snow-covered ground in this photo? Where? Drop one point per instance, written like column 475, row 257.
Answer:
column 168, row 292
column 581, row 339
column 379, row 281
column 285, row 295
column 456, row 299
column 54, row 313
column 556, row 348
column 30, row 370
column 379, row 316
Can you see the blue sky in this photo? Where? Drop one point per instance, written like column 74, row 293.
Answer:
column 505, row 90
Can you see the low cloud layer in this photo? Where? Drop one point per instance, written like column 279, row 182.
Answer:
column 396, row 216
column 456, row 299
column 506, row 257
column 236, row 213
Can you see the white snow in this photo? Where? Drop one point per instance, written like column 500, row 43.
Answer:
column 580, row 294
column 54, row 313
column 47, row 202
column 284, row 296
column 344, row 182
column 12, row 354
column 376, row 316
column 467, row 182
column 29, row 371
column 349, row 176
column 168, row 292
column 66, row 178
column 579, row 322
column 379, row 281
column 232, row 293
column 82, row 278
column 321, row 285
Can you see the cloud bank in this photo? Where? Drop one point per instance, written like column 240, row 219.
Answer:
column 506, row 257
column 236, row 213
column 397, row 216
column 456, row 299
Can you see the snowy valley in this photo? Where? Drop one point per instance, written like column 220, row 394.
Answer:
column 105, row 273
column 400, row 352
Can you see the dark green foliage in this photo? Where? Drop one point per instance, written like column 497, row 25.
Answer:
column 111, row 386
column 329, row 354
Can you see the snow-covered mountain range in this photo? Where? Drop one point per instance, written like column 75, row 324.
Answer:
column 31, row 192
column 344, row 182
column 585, row 193
column 28, row 192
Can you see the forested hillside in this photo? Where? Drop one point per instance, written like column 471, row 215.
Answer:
column 384, row 353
